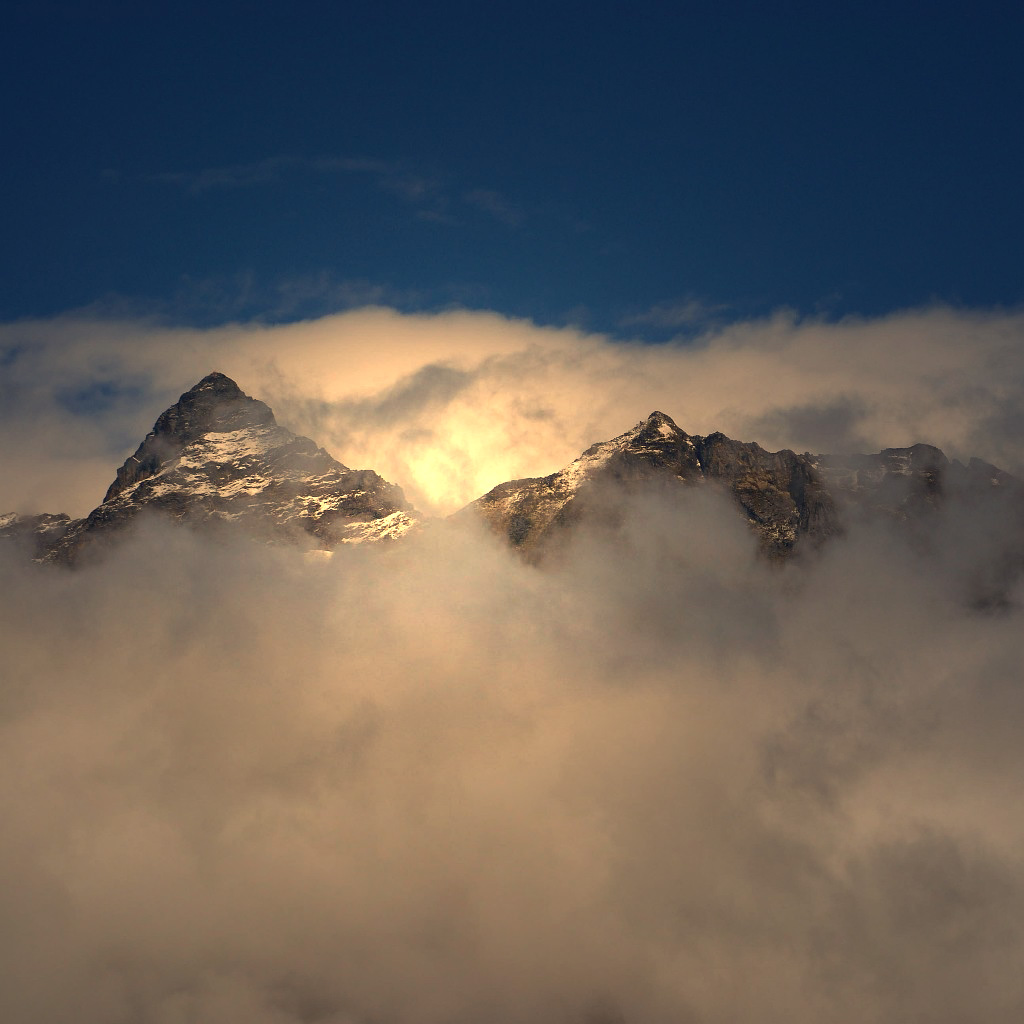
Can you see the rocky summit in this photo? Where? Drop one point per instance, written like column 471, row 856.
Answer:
column 218, row 456
column 780, row 493
column 788, row 499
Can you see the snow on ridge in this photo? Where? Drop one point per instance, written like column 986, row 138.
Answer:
column 597, row 455
column 315, row 505
column 251, row 485
column 231, row 445
column 588, row 463
column 389, row 527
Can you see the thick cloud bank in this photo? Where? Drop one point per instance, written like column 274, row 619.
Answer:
column 660, row 782
column 449, row 405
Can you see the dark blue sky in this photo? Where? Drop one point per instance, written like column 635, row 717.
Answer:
column 635, row 168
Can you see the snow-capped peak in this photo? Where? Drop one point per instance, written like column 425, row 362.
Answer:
column 218, row 455
column 660, row 424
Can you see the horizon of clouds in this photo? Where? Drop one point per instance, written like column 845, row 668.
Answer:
column 450, row 404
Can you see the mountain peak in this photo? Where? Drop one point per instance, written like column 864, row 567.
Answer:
column 659, row 419
column 217, row 456
column 215, row 405
column 218, row 382
column 656, row 426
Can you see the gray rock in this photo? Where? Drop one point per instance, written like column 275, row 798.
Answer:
column 789, row 500
column 218, row 457
column 36, row 534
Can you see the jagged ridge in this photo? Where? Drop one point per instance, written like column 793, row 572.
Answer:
column 215, row 405
column 219, row 456
column 787, row 498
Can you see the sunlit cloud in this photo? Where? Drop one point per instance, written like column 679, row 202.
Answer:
column 450, row 404
column 660, row 781
column 431, row 784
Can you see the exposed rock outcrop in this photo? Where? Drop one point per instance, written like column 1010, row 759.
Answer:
column 780, row 493
column 789, row 500
column 35, row 533
column 218, row 456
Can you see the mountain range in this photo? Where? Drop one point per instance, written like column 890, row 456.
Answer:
column 218, row 459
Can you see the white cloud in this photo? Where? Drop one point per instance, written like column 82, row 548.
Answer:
column 450, row 404
column 660, row 782
column 433, row 785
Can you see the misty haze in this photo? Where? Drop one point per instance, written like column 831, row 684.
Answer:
column 671, row 771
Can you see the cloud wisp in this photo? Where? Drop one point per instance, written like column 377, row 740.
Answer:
column 687, row 314
column 433, row 198
column 274, row 168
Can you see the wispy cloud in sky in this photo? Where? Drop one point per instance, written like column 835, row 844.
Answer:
column 496, row 205
column 275, row 168
column 260, row 172
column 688, row 313
column 433, row 198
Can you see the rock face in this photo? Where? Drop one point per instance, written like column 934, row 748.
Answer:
column 780, row 493
column 789, row 500
column 907, row 482
column 218, row 456
column 216, row 405
column 37, row 533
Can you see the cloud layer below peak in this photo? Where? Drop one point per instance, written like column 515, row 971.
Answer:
column 427, row 783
